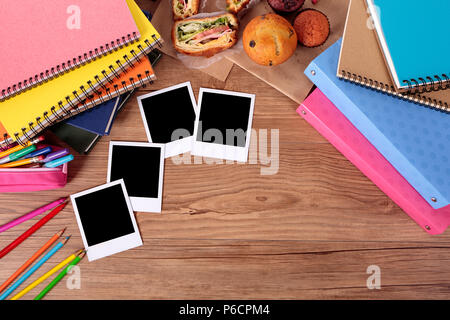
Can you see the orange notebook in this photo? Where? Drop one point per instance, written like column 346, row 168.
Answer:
column 3, row 132
column 137, row 76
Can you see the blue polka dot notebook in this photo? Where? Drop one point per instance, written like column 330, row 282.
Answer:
column 414, row 139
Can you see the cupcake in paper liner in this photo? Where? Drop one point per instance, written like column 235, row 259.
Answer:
column 312, row 28
column 285, row 6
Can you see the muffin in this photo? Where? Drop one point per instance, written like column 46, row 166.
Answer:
column 269, row 39
column 285, row 6
column 312, row 28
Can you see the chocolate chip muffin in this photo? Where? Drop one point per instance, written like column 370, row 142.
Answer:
column 269, row 39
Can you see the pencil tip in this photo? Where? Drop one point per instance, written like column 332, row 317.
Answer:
column 61, row 232
column 82, row 254
column 67, row 238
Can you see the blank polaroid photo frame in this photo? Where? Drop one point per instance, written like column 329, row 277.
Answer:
column 220, row 112
column 166, row 111
column 141, row 166
column 106, row 220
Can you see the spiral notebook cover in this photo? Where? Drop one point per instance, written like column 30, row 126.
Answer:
column 26, row 114
column 361, row 61
column 415, row 140
column 137, row 76
column 99, row 120
column 39, row 37
column 413, row 37
column 334, row 126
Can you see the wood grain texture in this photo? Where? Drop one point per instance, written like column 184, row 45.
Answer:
column 307, row 232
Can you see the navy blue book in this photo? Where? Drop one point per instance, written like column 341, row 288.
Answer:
column 97, row 120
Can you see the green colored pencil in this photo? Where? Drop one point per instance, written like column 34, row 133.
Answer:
column 60, row 276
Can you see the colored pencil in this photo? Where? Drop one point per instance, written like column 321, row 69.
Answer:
column 46, row 275
column 31, row 215
column 20, row 147
column 56, row 155
column 32, row 230
column 38, row 264
column 33, row 258
column 18, row 154
column 58, row 162
column 61, row 275
column 40, row 152
column 22, row 162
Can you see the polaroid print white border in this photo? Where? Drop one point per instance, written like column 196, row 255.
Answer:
column 140, row 203
column 222, row 151
column 178, row 146
column 113, row 246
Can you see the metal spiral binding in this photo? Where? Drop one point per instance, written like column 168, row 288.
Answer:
column 68, row 66
column 7, row 143
column 428, row 84
column 411, row 95
column 81, row 99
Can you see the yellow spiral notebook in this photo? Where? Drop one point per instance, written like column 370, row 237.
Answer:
column 67, row 90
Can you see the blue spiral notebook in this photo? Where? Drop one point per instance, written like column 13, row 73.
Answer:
column 413, row 36
column 414, row 139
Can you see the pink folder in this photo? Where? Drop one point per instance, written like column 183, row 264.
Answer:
column 335, row 127
column 41, row 39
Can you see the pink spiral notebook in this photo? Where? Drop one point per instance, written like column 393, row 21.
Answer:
column 41, row 39
column 335, row 127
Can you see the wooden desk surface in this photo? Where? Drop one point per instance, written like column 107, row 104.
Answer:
column 226, row 231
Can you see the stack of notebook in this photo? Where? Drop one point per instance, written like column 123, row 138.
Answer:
column 89, row 54
column 83, row 131
column 390, row 117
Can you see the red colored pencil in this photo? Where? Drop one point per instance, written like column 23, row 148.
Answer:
column 32, row 230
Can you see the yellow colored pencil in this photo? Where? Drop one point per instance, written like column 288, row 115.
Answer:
column 22, row 162
column 46, row 275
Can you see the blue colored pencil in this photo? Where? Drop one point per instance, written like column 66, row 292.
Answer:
column 38, row 264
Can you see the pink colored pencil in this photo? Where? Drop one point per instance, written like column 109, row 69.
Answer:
column 31, row 215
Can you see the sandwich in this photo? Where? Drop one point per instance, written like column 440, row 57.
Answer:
column 184, row 8
column 206, row 36
column 236, row 6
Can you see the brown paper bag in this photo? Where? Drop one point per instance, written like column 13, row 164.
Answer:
column 162, row 21
column 288, row 77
